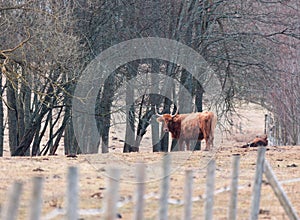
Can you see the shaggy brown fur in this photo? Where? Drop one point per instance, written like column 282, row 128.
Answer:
column 258, row 141
column 194, row 126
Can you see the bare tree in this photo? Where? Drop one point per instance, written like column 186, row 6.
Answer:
column 38, row 66
column 251, row 46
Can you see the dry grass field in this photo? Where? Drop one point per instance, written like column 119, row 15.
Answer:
column 285, row 162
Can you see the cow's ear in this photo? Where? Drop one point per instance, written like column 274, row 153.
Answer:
column 175, row 119
column 160, row 119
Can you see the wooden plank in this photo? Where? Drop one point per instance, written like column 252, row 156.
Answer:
column 11, row 209
column 210, row 189
column 112, row 195
column 279, row 192
column 36, row 199
column 232, row 212
column 140, row 191
column 72, row 193
column 255, row 201
column 165, row 186
column 188, row 195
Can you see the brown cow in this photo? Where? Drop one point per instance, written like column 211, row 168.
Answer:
column 193, row 126
column 258, row 141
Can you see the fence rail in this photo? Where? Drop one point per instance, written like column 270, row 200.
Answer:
column 109, row 210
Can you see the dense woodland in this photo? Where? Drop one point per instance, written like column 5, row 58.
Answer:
column 252, row 46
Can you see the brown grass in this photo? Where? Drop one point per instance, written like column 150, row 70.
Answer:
column 93, row 179
column 93, row 176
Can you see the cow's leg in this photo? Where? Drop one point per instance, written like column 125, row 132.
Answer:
column 211, row 141
column 174, row 145
column 207, row 143
column 180, row 144
column 187, row 142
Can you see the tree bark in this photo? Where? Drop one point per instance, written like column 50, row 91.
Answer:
column 70, row 142
column 130, row 113
column 154, row 101
column 199, row 106
column 103, row 114
column 1, row 117
column 12, row 117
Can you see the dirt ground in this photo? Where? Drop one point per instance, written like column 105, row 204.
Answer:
column 285, row 162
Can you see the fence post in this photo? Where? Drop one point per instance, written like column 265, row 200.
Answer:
column 257, row 183
column 11, row 209
column 234, row 187
column 279, row 192
column 188, row 194
column 111, row 195
column 210, row 189
column 140, row 177
column 266, row 123
column 37, row 201
column 72, row 193
column 164, row 194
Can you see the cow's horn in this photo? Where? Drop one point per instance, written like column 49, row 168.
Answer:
column 156, row 113
column 175, row 113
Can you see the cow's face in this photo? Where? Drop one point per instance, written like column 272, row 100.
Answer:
column 167, row 120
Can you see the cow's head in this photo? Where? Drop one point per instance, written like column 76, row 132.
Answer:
column 169, row 120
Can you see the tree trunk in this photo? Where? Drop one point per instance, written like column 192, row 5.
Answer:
column 26, row 141
column 1, row 117
column 12, row 115
column 144, row 122
column 59, row 134
column 185, row 93
column 154, row 101
column 35, row 151
column 103, row 114
column 130, row 117
column 38, row 115
column 70, row 142
column 199, row 107
column 23, row 101
column 39, row 134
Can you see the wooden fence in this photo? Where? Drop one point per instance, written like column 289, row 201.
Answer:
column 109, row 210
